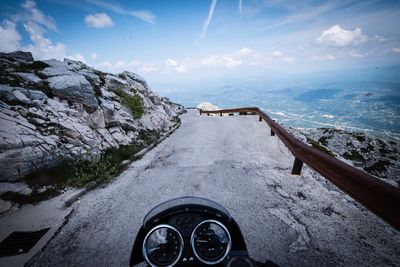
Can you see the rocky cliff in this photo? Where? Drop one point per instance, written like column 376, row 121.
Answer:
column 379, row 156
column 51, row 111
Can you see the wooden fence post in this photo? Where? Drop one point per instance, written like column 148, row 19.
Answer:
column 298, row 164
column 259, row 118
column 272, row 133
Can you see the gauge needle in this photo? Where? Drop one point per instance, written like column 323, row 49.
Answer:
column 201, row 241
column 154, row 249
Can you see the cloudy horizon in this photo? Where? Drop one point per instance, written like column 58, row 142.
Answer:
column 180, row 41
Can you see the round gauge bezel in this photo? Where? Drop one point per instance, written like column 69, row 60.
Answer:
column 144, row 252
column 228, row 248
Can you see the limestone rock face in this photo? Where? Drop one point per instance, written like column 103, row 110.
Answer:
column 207, row 106
column 51, row 111
column 375, row 155
column 75, row 88
column 19, row 56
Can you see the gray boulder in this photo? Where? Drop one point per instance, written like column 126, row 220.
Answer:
column 55, row 68
column 18, row 56
column 30, row 79
column 75, row 88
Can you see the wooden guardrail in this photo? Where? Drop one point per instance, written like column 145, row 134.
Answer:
column 379, row 197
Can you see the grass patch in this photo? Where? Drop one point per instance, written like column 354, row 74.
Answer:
column 133, row 102
column 354, row 155
column 359, row 136
column 320, row 147
column 89, row 173
column 84, row 172
column 324, row 140
column 148, row 137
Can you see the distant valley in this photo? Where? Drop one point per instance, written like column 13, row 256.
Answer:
column 356, row 106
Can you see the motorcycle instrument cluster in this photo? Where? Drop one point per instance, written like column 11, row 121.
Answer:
column 208, row 240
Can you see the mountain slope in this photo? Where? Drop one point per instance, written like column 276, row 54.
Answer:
column 52, row 111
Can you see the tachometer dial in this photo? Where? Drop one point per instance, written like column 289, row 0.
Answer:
column 211, row 242
column 163, row 246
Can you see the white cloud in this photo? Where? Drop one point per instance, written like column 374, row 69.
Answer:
column 380, row 38
column 99, row 20
column 120, row 65
column 42, row 48
column 289, row 59
column 249, row 56
column 208, row 19
column 337, row 36
column 93, row 56
column 35, row 15
column 277, row 53
column 245, row 52
column 280, row 55
column 77, row 57
column 356, row 54
column 36, row 25
column 144, row 15
column 9, row 37
column 395, row 50
column 327, row 57
column 178, row 66
column 225, row 61
column 240, row 6
column 243, row 56
column 306, row 15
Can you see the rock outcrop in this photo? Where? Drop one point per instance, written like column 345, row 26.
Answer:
column 51, row 111
column 207, row 106
column 375, row 155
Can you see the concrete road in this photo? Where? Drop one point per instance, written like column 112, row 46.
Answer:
column 291, row 220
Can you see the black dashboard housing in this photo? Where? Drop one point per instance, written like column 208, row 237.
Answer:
column 185, row 217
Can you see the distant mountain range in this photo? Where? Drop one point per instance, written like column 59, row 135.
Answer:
column 362, row 106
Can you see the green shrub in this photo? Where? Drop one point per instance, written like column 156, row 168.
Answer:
column 324, row 140
column 320, row 147
column 88, row 173
column 354, row 155
column 133, row 102
column 148, row 136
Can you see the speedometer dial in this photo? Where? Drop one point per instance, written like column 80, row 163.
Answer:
column 211, row 242
column 163, row 246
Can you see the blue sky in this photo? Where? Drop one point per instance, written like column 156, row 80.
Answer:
column 179, row 42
